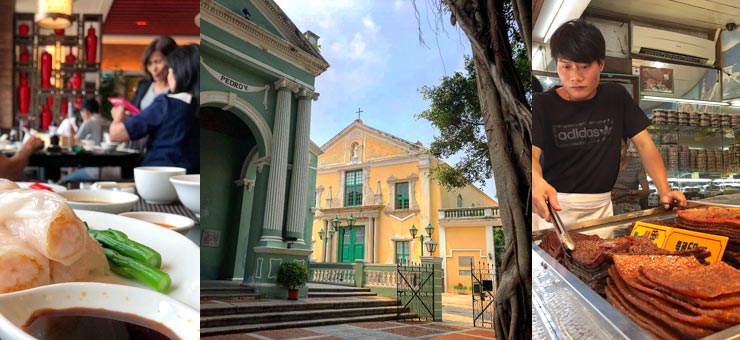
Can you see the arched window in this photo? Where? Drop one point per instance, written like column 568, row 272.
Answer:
column 459, row 201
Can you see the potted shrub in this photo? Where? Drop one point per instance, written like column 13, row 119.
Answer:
column 460, row 289
column 292, row 275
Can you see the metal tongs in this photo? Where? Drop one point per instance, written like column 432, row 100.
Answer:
column 565, row 240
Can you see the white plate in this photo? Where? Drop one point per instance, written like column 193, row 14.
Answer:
column 55, row 187
column 180, row 256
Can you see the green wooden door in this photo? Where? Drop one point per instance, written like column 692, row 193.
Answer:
column 352, row 244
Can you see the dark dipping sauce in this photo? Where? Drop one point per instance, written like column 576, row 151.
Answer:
column 89, row 323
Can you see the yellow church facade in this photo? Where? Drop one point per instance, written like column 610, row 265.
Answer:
column 380, row 185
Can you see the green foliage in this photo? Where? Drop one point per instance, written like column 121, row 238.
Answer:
column 292, row 275
column 455, row 112
column 460, row 286
column 109, row 88
column 499, row 244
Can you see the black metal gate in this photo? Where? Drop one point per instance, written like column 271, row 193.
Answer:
column 415, row 291
column 483, row 279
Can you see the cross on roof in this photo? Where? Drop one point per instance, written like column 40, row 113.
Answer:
column 359, row 110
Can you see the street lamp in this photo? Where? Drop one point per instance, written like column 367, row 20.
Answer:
column 429, row 229
column 431, row 246
column 328, row 236
column 351, row 221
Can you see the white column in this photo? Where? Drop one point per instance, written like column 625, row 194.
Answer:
column 275, row 202
column 368, row 241
column 299, row 178
column 375, row 240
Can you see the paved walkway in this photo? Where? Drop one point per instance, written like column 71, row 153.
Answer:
column 457, row 309
column 385, row 330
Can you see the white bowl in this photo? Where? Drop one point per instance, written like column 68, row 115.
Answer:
column 16, row 308
column 109, row 146
column 153, row 185
column 188, row 190
column 179, row 223
column 113, row 202
column 88, row 144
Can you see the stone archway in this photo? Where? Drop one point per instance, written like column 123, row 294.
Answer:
column 234, row 136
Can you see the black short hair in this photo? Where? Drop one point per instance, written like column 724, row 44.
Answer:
column 185, row 64
column 162, row 44
column 578, row 41
column 90, row 104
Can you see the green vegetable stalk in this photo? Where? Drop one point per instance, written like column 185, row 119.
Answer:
column 131, row 268
column 119, row 242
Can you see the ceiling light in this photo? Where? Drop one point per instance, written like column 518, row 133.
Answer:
column 682, row 100
column 142, row 23
column 566, row 11
column 54, row 14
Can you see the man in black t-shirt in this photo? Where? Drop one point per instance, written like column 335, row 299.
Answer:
column 577, row 131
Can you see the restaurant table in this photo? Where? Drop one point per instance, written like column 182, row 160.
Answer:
column 52, row 162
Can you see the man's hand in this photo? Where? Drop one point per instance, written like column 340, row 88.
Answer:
column 32, row 145
column 541, row 193
column 667, row 198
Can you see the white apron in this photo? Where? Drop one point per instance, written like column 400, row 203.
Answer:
column 577, row 208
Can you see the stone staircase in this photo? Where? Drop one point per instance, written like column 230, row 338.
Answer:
column 226, row 290
column 326, row 305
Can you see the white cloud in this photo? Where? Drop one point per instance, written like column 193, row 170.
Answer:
column 357, row 47
column 399, row 5
column 369, row 24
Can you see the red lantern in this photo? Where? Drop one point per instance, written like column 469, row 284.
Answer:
column 64, row 106
column 24, row 94
column 46, row 70
column 49, row 101
column 76, row 80
column 78, row 102
column 45, row 118
column 59, row 31
column 23, row 29
column 25, row 56
column 92, row 45
column 70, row 57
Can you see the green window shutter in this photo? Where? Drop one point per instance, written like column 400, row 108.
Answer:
column 353, row 188
column 402, row 195
column 402, row 252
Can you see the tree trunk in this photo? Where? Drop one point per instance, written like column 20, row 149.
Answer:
column 507, row 122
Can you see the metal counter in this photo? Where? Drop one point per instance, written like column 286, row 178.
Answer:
column 563, row 307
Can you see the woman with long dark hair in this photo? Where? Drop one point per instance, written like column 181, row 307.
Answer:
column 171, row 122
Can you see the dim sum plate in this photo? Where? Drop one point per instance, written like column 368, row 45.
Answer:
column 177, row 310
column 180, row 256
column 54, row 187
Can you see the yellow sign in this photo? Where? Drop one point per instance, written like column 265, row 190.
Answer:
column 656, row 233
column 676, row 239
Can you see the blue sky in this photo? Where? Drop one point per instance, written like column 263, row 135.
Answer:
column 378, row 64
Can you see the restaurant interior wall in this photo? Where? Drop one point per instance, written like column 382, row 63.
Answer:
column 7, row 111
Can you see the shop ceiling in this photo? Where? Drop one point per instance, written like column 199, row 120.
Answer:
column 136, row 21
column 700, row 15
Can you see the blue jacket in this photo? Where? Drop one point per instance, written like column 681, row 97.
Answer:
column 173, row 127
